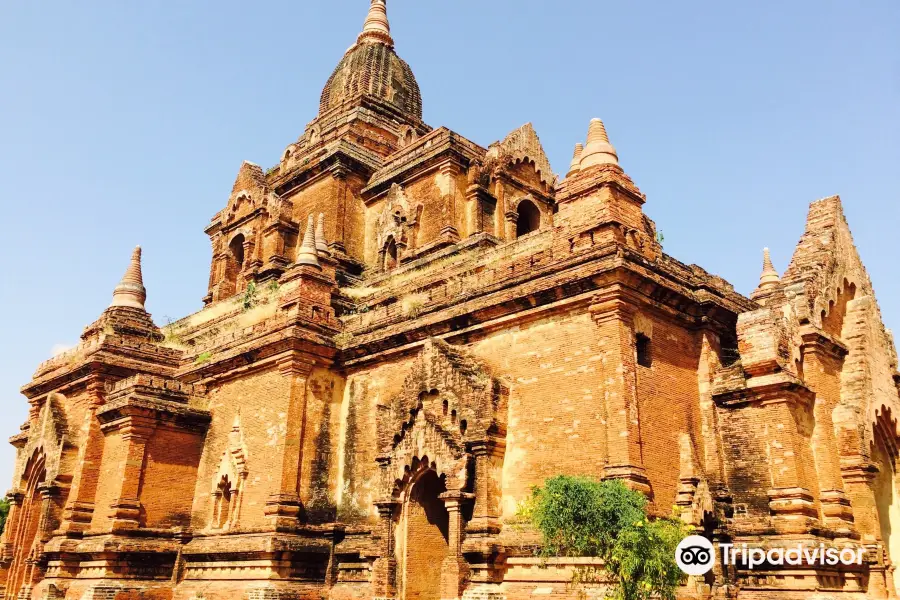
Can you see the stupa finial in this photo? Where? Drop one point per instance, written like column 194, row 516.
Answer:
column 575, row 165
column 598, row 150
column 321, row 244
column 769, row 277
column 377, row 27
column 307, row 255
column 131, row 292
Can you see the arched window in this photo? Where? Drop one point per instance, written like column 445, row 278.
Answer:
column 529, row 218
column 234, row 264
column 237, row 252
column 224, row 495
column 644, row 350
column 390, row 255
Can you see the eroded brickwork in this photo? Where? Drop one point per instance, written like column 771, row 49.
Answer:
column 405, row 331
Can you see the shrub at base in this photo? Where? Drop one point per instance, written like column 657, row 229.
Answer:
column 580, row 516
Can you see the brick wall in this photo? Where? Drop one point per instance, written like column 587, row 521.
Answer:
column 110, row 476
column 668, row 400
column 170, row 475
column 262, row 401
column 556, row 406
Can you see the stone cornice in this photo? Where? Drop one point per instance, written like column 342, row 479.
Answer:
column 768, row 389
column 421, row 154
column 146, row 413
column 543, row 287
column 817, row 341
column 338, row 155
column 584, row 182
column 113, row 355
column 538, row 193
column 287, row 340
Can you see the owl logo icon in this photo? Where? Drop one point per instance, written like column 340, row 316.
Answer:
column 695, row 555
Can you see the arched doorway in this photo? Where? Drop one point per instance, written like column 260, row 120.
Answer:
column 427, row 538
column 887, row 499
column 27, row 528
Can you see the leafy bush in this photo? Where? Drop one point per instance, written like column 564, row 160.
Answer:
column 249, row 299
column 4, row 512
column 580, row 516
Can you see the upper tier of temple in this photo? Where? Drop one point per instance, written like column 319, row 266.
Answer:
column 372, row 67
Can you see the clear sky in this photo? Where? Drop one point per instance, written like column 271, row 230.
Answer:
column 124, row 123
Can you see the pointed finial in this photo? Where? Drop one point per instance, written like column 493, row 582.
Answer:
column 321, row 244
column 377, row 27
column 769, row 277
column 575, row 165
column 131, row 292
column 598, row 150
column 307, row 253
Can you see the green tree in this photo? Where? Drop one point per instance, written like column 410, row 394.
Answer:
column 4, row 511
column 580, row 516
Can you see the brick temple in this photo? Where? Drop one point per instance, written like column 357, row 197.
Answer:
column 404, row 332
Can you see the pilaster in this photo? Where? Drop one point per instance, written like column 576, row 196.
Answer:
column 822, row 361
column 454, row 569
column 448, row 173
column 10, row 533
column 858, row 474
column 613, row 315
column 784, row 419
column 79, row 509
column 284, row 510
column 486, row 511
column 510, row 224
column 384, row 571
column 126, row 509
column 713, row 458
column 339, row 173
column 480, row 207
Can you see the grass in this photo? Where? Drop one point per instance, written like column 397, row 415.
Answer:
column 412, row 304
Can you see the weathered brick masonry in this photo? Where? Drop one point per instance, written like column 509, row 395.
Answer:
column 404, row 332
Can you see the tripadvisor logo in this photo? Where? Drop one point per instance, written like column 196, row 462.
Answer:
column 695, row 555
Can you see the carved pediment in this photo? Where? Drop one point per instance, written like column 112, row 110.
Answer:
column 48, row 437
column 522, row 145
column 248, row 193
column 449, row 401
column 398, row 219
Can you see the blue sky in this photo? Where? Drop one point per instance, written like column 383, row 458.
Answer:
column 124, row 123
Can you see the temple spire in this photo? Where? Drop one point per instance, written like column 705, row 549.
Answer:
column 575, row 165
column 307, row 253
column 377, row 27
column 769, row 277
column 131, row 292
column 598, row 150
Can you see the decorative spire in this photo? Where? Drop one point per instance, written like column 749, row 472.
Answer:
column 307, row 253
column 598, row 150
column 321, row 244
column 131, row 292
column 377, row 28
column 769, row 277
column 575, row 165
